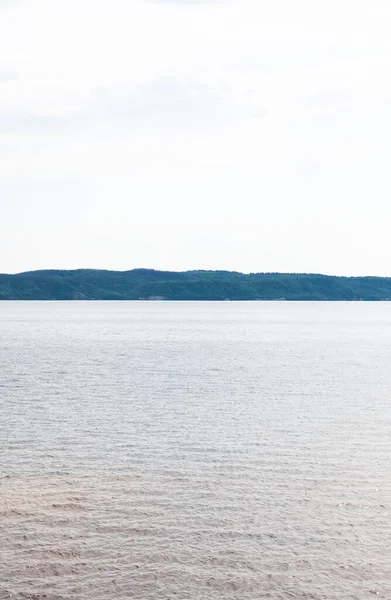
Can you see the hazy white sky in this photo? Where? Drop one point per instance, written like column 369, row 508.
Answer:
column 245, row 135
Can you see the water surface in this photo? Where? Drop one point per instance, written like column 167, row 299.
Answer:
column 195, row 450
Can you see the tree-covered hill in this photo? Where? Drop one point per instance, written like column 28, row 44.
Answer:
column 140, row 284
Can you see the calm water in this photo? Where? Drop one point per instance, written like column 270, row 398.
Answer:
column 195, row 451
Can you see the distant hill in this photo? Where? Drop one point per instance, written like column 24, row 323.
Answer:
column 148, row 284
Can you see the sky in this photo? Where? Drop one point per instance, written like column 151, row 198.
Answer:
column 245, row 135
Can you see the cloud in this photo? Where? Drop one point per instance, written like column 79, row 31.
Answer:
column 167, row 102
column 6, row 76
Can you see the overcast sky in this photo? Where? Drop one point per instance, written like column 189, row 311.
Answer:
column 245, row 135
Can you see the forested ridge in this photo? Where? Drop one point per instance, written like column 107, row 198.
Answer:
column 148, row 284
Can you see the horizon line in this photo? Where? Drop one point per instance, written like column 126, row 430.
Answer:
column 151, row 269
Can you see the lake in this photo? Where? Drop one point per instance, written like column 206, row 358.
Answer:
column 160, row 450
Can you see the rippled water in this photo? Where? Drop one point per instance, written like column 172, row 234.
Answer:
column 195, row 450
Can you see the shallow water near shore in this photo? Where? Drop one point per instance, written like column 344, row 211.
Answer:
column 158, row 450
